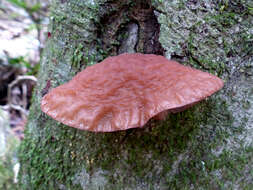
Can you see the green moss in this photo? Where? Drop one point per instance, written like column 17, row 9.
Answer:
column 174, row 154
column 228, row 166
column 208, row 39
column 59, row 151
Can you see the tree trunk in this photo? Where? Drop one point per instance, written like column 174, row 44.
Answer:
column 199, row 148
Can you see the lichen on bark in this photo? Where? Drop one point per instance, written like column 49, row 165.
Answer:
column 163, row 155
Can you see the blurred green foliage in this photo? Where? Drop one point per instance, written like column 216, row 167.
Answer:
column 20, row 62
column 23, row 4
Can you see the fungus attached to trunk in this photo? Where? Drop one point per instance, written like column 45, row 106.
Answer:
column 125, row 91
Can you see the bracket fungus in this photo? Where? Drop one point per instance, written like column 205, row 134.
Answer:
column 125, row 91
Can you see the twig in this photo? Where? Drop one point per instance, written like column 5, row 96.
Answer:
column 22, row 107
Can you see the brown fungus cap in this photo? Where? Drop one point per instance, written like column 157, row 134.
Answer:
column 125, row 91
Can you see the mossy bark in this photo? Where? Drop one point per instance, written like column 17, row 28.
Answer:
column 178, row 153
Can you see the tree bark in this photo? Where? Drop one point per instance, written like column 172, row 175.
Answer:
column 178, row 153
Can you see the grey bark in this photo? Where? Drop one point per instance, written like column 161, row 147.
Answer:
column 195, row 149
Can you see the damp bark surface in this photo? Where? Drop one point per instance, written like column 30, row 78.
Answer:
column 199, row 148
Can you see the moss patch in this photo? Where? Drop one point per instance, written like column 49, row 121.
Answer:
column 178, row 153
column 59, row 152
column 206, row 35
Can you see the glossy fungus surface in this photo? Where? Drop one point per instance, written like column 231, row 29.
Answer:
column 125, row 91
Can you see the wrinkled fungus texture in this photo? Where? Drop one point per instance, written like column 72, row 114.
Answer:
column 125, row 91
